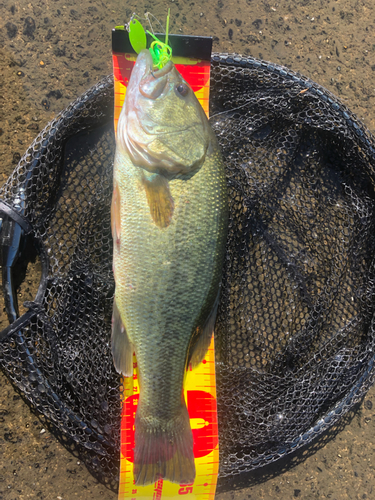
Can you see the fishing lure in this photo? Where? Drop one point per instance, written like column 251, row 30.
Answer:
column 160, row 51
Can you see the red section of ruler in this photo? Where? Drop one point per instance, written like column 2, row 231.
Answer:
column 122, row 67
column 196, row 74
column 201, row 405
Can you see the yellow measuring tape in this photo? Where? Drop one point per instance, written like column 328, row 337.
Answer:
column 200, row 397
column 200, row 383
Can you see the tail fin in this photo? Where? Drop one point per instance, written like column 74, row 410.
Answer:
column 163, row 450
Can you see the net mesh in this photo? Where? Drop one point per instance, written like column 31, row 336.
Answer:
column 294, row 331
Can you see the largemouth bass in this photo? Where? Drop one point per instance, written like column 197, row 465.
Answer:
column 169, row 226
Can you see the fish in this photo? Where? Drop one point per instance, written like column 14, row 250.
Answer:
column 169, row 218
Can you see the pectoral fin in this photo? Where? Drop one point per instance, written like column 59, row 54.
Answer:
column 203, row 342
column 122, row 348
column 159, row 199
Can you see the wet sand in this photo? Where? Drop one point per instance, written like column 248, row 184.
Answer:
column 52, row 51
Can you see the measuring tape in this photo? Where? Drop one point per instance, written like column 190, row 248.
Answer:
column 200, row 382
column 200, row 397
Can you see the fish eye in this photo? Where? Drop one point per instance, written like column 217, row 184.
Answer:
column 182, row 89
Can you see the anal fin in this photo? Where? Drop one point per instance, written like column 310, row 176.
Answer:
column 122, row 348
column 159, row 199
column 115, row 214
column 201, row 345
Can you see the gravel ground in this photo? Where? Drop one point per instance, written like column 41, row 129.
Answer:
column 50, row 52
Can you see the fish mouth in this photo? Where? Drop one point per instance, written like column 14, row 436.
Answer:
column 154, row 81
column 145, row 58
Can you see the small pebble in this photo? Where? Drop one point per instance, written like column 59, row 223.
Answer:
column 45, row 103
column 29, row 27
column 32, row 126
column 16, row 158
column 42, row 431
column 11, row 30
